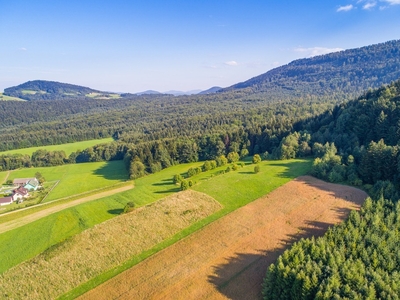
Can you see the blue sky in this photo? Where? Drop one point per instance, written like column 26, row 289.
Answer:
column 132, row 46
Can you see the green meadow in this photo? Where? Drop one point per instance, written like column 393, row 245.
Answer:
column 232, row 190
column 68, row 148
column 77, row 178
column 9, row 98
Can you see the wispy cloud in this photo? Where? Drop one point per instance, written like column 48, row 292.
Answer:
column 369, row 5
column 231, row 63
column 392, row 2
column 314, row 51
column 23, row 49
column 345, row 8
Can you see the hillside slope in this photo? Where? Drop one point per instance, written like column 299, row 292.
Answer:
column 346, row 72
column 51, row 90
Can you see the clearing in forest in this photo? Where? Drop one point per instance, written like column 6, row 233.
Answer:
column 105, row 246
column 228, row 258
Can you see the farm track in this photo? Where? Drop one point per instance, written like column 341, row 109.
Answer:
column 51, row 210
column 228, row 258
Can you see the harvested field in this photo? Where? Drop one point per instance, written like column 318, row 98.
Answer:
column 228, row 258
column 103, row 247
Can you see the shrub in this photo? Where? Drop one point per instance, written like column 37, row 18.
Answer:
column 256, row 159
column 256, row 169
column 129, row 207
column 184, row 185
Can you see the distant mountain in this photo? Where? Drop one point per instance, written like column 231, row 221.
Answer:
column 346, row 72
column 212, row 90
column 149, row 92
column 180, row 93
column 51, row 90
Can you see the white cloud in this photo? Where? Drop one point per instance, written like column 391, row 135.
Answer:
column 23, row 49
column 231, row 63
column 316, row 50
column 345, row 8
column 392, row 2
column 369, row 5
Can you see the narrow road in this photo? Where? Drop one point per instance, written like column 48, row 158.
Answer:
column 51, row 210
column 5, row 179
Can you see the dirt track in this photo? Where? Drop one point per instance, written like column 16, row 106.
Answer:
column 45, row 212
column 228, row 258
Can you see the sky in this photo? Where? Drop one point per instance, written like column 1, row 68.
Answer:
column 138, row 45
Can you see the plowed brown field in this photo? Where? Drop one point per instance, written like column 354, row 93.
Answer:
column 228, row 258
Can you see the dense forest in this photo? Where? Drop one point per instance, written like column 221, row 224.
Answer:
column 355, row 142
column 299, row 90
column 346, row 72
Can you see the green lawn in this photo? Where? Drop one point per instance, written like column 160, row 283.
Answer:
column 68, row 148
column 78, row 178
column 233, row 189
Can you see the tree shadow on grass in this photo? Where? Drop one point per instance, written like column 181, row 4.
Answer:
column 112, row 170
column 247, row 173
column 173, row 190
column 162, row 183
column 241, row 276
column 293, row 168
column 116, row 211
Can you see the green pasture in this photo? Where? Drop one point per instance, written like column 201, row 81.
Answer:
column 9, row 98
column 68, row 148
column 233, row 189
column 77, row 178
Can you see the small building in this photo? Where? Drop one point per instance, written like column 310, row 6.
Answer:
column 20, row 193
column 6, row 201
column 28, row 183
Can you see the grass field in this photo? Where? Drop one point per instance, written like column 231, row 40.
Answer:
column 68, row 148
column 9, row 98
column 232, row 190
column 87, row 255
column 78, row 178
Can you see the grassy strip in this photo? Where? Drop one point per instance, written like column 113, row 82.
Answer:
column 232, row 190
column 68, row 148
column 23, row 212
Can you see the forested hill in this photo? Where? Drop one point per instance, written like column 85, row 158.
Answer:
column 51, row 90
column 346, row 72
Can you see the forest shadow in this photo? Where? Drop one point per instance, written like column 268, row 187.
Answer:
column 116, row 211
column 348, row 193
column 112, row 171
column 162, row 183
column 241, row 276
column 293, row 168
column 173, row 190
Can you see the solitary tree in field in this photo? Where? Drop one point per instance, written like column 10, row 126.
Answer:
column 257, row 169
column 256, row 159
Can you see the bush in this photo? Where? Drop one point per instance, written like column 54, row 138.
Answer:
column 256, row 169
column 184, row 185
column 256, row 159
column 177, row 178
column 129, row 207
